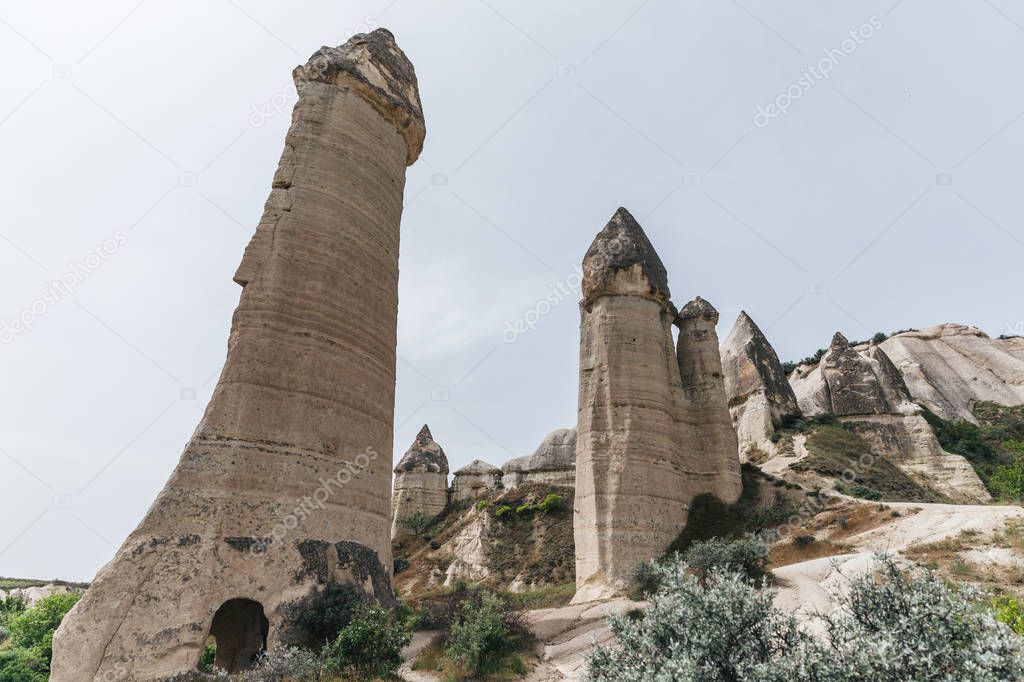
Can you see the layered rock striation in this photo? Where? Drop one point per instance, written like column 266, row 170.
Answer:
column 421, row 482
column 640, row 457
column 285, row 485
column 951, row 367
column 759, row 394
column 865, row 389
column 552, row 463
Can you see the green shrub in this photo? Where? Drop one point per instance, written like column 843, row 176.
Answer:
column 399, row 564
column 33, row 628
column 284, row 663
column 1009, row 611
column 487, row 630
column 23, row 665
column 1008, row 480
column 208, row 656
column 524, row 508
column 748, row 555
column 370, row 645
column 502, row 511
column 325, row 613
column 481, row 505
column 553, row 502
column 417, row 522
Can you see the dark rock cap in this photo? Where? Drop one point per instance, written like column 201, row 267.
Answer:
column 839, row 342
column 424, row 455
column 373, row 65
column 698, row 307
column 621, row 245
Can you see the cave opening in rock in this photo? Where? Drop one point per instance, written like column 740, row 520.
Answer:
column 240, row 629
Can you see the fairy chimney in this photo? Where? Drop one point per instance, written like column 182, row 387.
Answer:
column 639, row 461
column 421, row 482
column 285, row 485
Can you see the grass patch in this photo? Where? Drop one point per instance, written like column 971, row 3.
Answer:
column 548, row 597
column 835, row 452
column 786, row 553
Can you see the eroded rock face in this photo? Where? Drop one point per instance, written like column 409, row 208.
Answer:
column 421, row 481
column 756, row 386
column 864, row 388
column 474, row 480
column 951, row 367
column 552, row 463
column 639, row 462
column 285, row 485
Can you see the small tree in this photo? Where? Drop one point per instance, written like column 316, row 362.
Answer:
column 370, row 645
column 417, row 522
column 485, row 630
column 33, row 628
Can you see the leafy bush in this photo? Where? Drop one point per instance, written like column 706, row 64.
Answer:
column 891, row 626
column 502, row 511
column 33, row 628
column 487, row 630
column 328, row 611
column 524, row 508
column 417, row 522
column 399, row 564
column 370, row 645
column 285, row 663
column 748, row 555
column 552, row 502
column 23, row 665
column 1009, row 611
column 1008, row 480
column 481, row 505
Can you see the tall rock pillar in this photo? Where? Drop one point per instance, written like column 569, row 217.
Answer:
column 705, row 408
column 421, row 482
column 285, row 485
column 630, row 488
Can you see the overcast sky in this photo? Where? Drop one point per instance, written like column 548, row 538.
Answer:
column 880, row 190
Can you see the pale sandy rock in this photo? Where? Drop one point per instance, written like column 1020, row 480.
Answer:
column 33, row 594
column 705, row 407
column 553, row 463
column 567, row 634
column 468, row 552
column 952, row 367
column 639, row 462
column 474, row 480
column 421, row 482
column 285, row 485
column 759, row 394
column 865, row 388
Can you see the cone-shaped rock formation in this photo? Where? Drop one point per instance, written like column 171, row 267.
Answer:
column 421, row 481
column 759, row 394
column 473, row 480
column 285, row 485
column 639, row 462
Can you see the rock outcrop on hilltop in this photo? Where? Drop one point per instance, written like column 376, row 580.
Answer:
column 951, row 367
column 421, row 482
column 285, row 485
column 759, row 394
column 864, row 389
column 552, row 463
column 639, row 460
column 474, row 480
